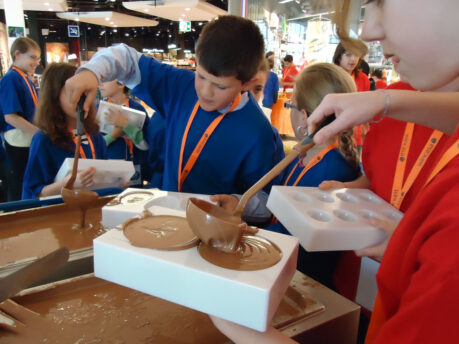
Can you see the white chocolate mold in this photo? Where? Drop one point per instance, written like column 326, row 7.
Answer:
column 336, row 219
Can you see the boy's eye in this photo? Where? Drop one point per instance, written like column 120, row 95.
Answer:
column 221, row 87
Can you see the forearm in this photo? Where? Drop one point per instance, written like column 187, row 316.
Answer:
column 119, row 62
column 20, row 123
column 53, row 188
column 135, row 134
column 437, row 110
column 360, row 183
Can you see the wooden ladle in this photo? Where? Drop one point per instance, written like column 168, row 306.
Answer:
column 77, row 198
column 219, row 228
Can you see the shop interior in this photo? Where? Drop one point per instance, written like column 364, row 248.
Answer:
column 110, row 293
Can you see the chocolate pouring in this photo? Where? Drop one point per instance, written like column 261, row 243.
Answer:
column 80, row 199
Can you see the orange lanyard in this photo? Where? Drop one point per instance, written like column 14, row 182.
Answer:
column 130, row 146
column 400, row 189
column 182, row 174
column 450, row 153
column 32, row 90
column 125, row 104
column 82, row 153
column 314, row 161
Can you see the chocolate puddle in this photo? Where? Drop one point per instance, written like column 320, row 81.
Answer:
column 90, row 310
column 161, row 232
column 253, row 253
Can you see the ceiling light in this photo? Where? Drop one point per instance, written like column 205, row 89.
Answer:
column 187, row 9
column 50, row 9
column 46, row 3
column 111, row 23
column 77, row 19
column 107, row 18
column 146, row 10
column 285, row 1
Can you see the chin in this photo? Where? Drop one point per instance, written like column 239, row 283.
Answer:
column 208, row 107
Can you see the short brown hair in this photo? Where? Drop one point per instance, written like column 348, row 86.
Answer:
column 49, row 116
column 230, row 46
column 22, row 44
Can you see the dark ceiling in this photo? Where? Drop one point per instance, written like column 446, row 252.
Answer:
column 94, row 36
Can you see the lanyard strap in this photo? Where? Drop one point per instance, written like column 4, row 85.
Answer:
column 451, row 153
column 182, row 174
column 400, row 189
column 314, row 161
column 32, row 90
column 130, row 146
column 82, row 153
column 126, row 103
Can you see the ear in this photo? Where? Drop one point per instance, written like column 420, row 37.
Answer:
column 249, row 84
column 16, row 54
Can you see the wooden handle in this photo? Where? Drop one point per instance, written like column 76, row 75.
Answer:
column 298, row 149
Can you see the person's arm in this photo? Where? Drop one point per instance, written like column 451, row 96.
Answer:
column 119, row 62
column 84, row 179
column 243, row 335
column 361, row 182
column 437, row 110
column 20, row 123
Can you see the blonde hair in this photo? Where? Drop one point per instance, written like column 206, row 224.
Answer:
column 313, row 84
column 341, row 20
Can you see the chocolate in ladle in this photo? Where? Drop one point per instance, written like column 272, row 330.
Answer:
column 81, row 199
column 222, row 230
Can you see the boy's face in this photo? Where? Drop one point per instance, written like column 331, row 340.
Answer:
column 110, row 88
column 217, row 92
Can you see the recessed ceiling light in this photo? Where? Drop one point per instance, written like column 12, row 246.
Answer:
column 183, row 15
column 77, row 19
column 111, row 23
column 107, row 18
column 146, row 10
column 187, row 9
column 46, row 3
column 50, row 9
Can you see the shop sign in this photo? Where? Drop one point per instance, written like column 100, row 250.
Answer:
column 184, row 26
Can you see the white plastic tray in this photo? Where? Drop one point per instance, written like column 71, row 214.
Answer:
column 331, row 220
column 249, row 298
column 109, row 173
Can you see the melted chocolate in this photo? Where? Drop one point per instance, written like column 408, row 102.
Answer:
column 253, row 253
column 90, row 310
column 133, row 197
column 100, row 312
column 37, row 232
column 162, row 232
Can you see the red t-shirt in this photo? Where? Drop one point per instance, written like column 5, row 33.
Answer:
column 289, row 75
column 381, row 150
column 418, row 280
column 380, row 84
column 362, row 82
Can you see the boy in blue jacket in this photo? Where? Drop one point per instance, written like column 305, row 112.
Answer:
column 217, row 138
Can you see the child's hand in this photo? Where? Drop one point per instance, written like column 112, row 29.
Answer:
column 331, row 184
column 227, row 202
column 377, row 251
column 85, row 178
column 116, row 118
column 84, row 82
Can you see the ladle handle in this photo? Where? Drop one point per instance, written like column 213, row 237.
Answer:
column 80, row 115
column 298, row 149
column 71, row 181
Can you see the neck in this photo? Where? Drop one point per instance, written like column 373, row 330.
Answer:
column 20, row 68
column 119, row 98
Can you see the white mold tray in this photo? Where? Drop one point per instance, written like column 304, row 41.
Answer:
column 336, row 219
column 249, row 298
